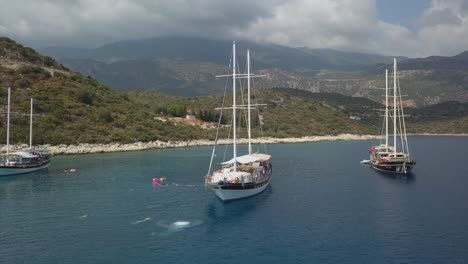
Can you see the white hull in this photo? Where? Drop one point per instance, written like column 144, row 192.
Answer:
column 13, row 171
column 227, row 195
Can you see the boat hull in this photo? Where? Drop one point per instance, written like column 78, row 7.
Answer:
column 13, row 170
column 401, row 168
column 238, row 193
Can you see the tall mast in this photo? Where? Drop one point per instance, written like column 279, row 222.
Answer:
column 31, row 125
column 394, row 104
column 248, row 101
column 386, row 108
column 8, row 125
column 234, row 104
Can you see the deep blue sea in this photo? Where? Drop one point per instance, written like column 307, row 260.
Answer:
column 322, row 206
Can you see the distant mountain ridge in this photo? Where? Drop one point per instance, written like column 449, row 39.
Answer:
column 187, row 67
column 216, row 51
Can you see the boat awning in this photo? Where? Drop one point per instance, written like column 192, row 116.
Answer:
column 261, row 157
column 246, row 159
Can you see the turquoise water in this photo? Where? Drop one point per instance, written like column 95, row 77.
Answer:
column 323, row 206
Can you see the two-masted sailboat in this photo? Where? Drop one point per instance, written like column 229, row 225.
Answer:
column 393, row 158
column 244, row 175
column 23, row 161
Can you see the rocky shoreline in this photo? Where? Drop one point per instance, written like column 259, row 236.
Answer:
column 86, row 148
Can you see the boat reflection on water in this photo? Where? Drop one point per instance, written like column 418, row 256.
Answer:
column 220, row 214
column 402, row 178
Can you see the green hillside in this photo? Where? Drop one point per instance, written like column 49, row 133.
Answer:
column 443, row 118
column 71, row 108
column 285, row 115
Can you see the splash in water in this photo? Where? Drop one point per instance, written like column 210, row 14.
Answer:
column 179, row 225
column 84, row 216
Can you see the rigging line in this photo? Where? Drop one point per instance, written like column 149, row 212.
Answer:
column 382, row 132
column 404, row 124
column 382, row 129
column 242, row 87
column 260, row 128
column 229, row 135
column 228, row 138
column 219, row 123
column 253, row 91
column 229, row 131
column 242, row 91
column 399, row 127
column 3, row 126
column 400, row 117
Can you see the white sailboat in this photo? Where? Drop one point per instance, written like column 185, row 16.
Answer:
column 26, row 160
column 245, row 175
column 393, row 158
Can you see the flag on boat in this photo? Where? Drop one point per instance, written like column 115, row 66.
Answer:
column 260, row 119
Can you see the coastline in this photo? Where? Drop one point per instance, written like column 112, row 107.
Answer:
column 86, row 148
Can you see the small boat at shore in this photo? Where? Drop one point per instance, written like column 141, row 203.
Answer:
column 396, row 158
column 23, row 161
column 245, row 175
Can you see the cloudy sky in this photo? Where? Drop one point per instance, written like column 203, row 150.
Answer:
column 412, row 28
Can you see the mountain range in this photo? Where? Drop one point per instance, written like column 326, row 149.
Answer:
column 188, row 66
column 71, row 108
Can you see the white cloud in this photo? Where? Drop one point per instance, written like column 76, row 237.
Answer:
column 345, row 25
column 444, row 28
column 340, row 24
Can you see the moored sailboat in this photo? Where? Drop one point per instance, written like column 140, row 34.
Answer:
column 245, row 175
column 23, row 161
column 393, row 158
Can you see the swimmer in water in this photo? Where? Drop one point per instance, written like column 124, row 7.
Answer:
column 155, row 181
column 163, row 182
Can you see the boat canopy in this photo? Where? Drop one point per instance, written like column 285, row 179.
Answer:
column 246, row 159
column 382, row 148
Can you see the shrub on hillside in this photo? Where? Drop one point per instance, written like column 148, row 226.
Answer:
column 86, row 97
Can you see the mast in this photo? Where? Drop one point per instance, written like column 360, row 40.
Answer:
column 248, row 101
column 394, row 105
column 386, row 108
column 234, row 104
column 31, row 125
column 8, row 125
